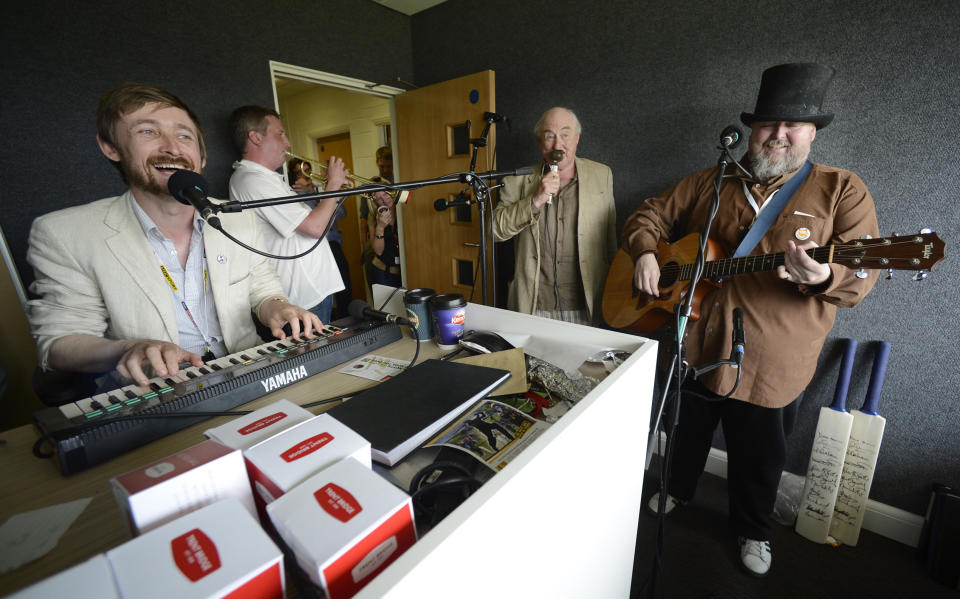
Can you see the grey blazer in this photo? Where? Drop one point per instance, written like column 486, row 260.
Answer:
column 97, row 275
column 596, row 233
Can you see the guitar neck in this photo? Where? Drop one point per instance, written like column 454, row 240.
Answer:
column 906, row 252
column 717, row 269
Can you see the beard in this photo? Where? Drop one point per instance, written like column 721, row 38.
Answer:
column 764, row 167
column 149, row 178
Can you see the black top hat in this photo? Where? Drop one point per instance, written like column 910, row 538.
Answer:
column 792, row 92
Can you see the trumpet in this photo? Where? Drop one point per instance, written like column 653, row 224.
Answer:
column 305, row 168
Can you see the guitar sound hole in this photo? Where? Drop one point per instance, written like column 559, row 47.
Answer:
column 668, row 275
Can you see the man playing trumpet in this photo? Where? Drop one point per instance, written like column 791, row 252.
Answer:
column 564, row 219
column 290, row 228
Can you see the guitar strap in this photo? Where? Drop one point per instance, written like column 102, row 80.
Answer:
column 769, row 214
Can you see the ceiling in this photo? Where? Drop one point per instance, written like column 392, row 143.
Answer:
column 409, row 7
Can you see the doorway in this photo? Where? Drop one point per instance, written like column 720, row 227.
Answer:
column 326, row 114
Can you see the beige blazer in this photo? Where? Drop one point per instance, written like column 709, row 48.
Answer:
column 596, row 233
column 97, row 275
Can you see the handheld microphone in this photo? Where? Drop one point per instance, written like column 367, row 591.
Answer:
column 739, row 340
column 361, row 310
column 190, row 188
column 731, row 137
column 555, row 157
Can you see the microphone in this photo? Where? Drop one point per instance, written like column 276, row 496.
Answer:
column 739, row 341
column 190, row 188
column 731, row 137
column 514, row 172
column 361, row 310
column 493, row 117
column 442, row 204
column 555, row 157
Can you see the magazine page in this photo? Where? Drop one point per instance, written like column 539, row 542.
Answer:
column 491, row 431
column 375, row 368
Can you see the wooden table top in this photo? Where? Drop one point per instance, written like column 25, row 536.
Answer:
column 32, row 483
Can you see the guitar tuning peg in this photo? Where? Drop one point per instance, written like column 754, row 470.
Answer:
column 926, row 230
column 866, row 236
column 862, row 274
column 921, row 275
column 889, row 274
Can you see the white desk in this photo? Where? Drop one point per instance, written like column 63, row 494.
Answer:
column 561, row 519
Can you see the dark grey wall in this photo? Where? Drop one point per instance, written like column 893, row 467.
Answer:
column 59, row 57
column 654, row 83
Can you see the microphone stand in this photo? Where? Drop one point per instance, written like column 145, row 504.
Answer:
column 476, row 179
column 480, row 193
column 679, row 369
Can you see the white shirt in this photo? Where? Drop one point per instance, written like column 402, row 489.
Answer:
column 308, row 280
column 197, row 322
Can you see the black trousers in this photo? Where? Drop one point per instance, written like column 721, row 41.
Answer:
column 756, row 452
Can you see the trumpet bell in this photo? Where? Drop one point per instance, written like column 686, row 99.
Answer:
column 304, row 166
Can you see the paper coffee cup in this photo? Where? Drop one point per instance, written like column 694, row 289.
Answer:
column 449, row 316
column 416, row 302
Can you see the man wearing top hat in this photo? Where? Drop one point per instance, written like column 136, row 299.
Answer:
column 788, row 312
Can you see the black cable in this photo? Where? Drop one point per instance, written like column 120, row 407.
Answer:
column 330, row 224
column 416, row 353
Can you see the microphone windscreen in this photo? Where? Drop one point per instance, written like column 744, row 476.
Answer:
column 356, row 308
column 184, row 179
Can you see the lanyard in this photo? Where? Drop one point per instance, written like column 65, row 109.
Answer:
column 208, row 353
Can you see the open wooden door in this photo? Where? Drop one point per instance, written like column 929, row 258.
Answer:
column 442, row 249
column 349, row 227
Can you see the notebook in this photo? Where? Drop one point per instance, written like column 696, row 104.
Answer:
column 401, row 413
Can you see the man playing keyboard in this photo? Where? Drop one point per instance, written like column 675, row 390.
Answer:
column 138, row 284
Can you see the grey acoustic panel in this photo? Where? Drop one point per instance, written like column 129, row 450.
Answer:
column 654, row 84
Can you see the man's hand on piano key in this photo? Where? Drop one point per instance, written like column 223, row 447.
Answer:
column 164, row 357
column 276, row 313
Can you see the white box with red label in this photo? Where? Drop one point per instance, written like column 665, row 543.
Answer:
column 92, row 579
column 283, row 461
column 219, row 550
column 178, row 484
column 247, row 431
column 344, row 525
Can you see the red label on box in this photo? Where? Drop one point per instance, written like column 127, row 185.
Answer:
column 306, row 447
column 195, row 554
column 338, row 502
column 262, row 423
column 365, row 560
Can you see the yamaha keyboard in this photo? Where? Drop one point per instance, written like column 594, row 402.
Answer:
column 98, row 428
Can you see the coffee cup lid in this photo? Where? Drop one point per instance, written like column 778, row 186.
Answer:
column 448, row 300
column 421, row 295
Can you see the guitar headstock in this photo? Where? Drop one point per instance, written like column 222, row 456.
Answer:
column 921, row 251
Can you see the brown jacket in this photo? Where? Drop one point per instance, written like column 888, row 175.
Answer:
column 785, row 324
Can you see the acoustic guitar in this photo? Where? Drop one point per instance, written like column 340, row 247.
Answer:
column 626, row 308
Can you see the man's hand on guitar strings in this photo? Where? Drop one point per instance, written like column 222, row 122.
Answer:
column 646, row 274
column 800, row 268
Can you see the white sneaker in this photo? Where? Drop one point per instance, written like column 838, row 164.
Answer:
column 672, row 502
column 755, row 556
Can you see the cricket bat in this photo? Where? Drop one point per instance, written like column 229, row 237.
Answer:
column 826, row 457
column 861, row 461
